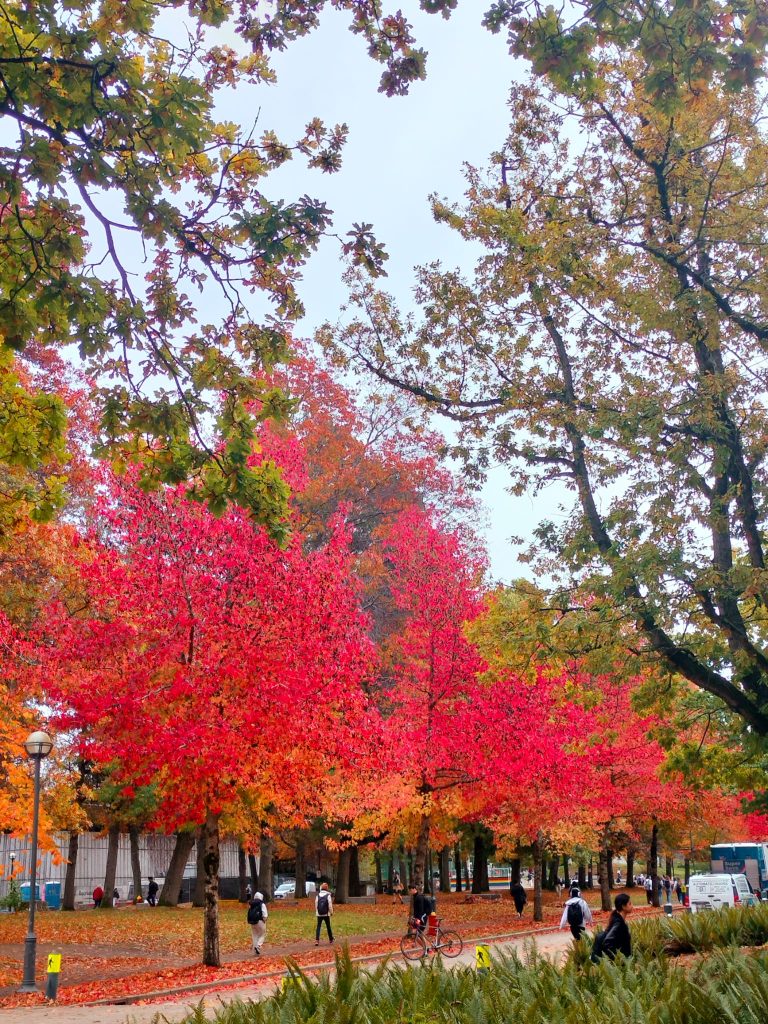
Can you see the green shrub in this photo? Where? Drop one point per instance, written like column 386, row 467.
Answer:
column 729, row 987
column 702, row 932
column 12, row 900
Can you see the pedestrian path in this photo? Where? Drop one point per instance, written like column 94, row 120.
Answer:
column 549, row 943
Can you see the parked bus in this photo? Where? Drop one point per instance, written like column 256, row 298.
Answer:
column 750, row 859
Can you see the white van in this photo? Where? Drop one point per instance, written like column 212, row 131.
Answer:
column 711, row 892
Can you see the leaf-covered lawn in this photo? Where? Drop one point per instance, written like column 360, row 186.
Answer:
column 178, row 932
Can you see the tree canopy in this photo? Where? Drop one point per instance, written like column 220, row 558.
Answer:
column 612, row 339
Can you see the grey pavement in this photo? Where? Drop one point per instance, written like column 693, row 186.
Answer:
column 549, row 943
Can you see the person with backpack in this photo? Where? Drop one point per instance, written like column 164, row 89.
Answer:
column 257, row 919
column 616, row 938
column 323, row 912
column 421, row 906
column 576, row 915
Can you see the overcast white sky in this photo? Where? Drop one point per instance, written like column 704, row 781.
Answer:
column 399, row 151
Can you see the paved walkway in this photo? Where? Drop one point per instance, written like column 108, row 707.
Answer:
column 549, row 943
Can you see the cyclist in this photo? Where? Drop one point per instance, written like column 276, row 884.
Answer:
column 421, row 906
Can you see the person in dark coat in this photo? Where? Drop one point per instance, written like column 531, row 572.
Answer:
column 152, row 891
column 617, row 938
column 421, row 905
column 519, row 895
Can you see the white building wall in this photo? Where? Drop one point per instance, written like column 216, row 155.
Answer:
column 154, row 853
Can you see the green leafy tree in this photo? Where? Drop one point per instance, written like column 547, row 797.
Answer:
column 678, row 41
column 129, row 212
column 612, row 340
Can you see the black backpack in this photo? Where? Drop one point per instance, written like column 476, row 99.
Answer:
column 255, row 912
column 322, row 904
column 575, row 915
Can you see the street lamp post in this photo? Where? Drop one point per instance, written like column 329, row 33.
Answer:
column 38, row 745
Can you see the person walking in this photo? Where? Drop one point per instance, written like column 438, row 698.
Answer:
column 323, row 912
column 98, row 896
column 257, row 919
column 649, row 890
column 519, row 896
column 152, row 891
column 617, row 938
column 576, row 915
column 397, row 887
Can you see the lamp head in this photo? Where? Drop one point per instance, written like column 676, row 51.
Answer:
column 38, row 744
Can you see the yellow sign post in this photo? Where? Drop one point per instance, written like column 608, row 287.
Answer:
column 482, row 959
column 54, row 969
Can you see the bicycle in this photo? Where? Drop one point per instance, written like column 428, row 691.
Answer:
column 414, row 945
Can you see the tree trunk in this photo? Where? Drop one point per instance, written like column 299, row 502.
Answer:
column 342, row 876
column 590, row 876
column 467, row 883
column 109, row 875
column 582, row 875
column 410, row 867
column 602, row 874
column 422, row 845
column 379, row 873
column 211, row 950
column 669, row 867
column 301, row 867
column 133, row 840
column 430, row 880
column 538, row 903
column 630, row 869
column 266, row 878
column 653, row 864
column 480, row 872
column 566, row 870
column 198, row 895
column 515, row 871
column 68, row 902
column 253, row 868
column 457, row 865
column 169, row 894
column 609, row 867
column 445, row 869
column 241, row 875
column 687, row 870
column 354, row 871
column 551, row 881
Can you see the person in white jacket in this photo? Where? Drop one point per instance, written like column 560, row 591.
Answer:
column 257, row 919
column 323, row 912
column 576, row 915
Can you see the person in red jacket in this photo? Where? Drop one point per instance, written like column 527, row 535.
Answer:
column 98, row 896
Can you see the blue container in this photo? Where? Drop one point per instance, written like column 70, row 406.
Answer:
column 53, row 895
column 25, row 888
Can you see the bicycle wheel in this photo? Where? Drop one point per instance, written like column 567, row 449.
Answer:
column 450, row 944
column 413, row 946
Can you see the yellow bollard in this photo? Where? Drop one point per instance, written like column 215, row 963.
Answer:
column 482, row 959
column 54, row 969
